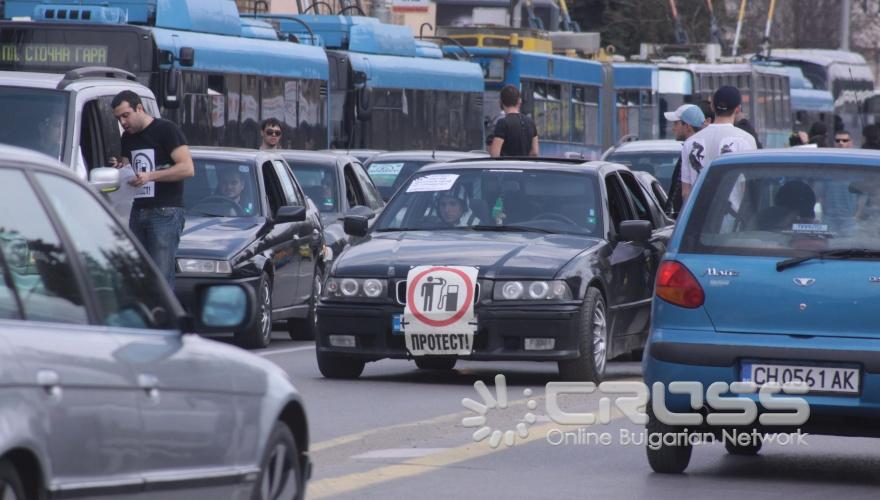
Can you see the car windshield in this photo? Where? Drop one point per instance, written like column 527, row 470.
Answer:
column 222, row 188
column 779, row 210
column 40, row 119
column 389, row 175
column 660, row 164
column 496, row 200
column 319, row 183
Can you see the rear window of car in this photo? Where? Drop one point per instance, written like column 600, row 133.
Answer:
column 388, row 176
column 659, row 164
column 779, row 210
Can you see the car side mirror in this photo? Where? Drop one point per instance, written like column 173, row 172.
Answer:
column 173, row 88
column 365, row 103
column 105, row 179
column 355, row 225
column 224, row 308
column 361, row 211
column 290, row 213
column 187, row 56
column 636, row 231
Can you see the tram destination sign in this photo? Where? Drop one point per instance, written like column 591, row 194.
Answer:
column 52, row 54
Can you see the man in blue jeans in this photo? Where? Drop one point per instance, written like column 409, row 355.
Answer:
column 156, row 149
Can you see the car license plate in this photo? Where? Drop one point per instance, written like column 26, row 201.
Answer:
column 819, row 379
column 397, row 324
column 430, row 344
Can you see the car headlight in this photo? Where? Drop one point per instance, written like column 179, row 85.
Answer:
column 532, row 290
column 353, row 288
column 204, row 266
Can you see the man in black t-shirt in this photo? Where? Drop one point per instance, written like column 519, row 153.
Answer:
column 156, row 149
column 515, row 134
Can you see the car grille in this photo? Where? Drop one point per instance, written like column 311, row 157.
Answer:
column 401, row 293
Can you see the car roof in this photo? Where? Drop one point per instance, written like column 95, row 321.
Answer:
column 16, row 156
column 539, row 164
column 235, row 154
column 327, row 157
column 422, row 155
column 51, row 81
column 653, row 145
column 860, row 157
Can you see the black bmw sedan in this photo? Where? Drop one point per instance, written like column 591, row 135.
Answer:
column 541, row 260
column 339, row 185
column 248, row 219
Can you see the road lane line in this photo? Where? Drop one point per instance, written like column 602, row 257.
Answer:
column 456, row 417
column 289, row 349
column 359, row 436
column 325, row 488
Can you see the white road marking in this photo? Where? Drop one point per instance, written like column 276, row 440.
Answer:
column 289, row 349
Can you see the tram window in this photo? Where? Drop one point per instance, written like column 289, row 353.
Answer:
column 233, row 108
column 553, row 110
column 215, row 84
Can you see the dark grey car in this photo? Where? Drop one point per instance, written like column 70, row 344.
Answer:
column 102, row 395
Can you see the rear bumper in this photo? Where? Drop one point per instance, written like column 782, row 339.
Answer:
column 709, row 356
column 500, row 331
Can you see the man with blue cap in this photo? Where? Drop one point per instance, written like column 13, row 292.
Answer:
column 687, row 120
column 721, row 137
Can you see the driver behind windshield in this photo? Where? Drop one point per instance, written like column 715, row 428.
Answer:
column 231, row 185
column 453, row 210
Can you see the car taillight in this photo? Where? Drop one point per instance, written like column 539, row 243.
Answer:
column 676, row 285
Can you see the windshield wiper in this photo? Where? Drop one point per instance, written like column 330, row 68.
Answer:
column 839, row 253
column 520, row 229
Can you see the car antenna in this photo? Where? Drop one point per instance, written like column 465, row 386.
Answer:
column 858, row 101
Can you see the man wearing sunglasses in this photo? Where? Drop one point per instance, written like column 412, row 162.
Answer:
column 271, row 133
column 842, row 139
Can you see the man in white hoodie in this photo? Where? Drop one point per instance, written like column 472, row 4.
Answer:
column 719, row 138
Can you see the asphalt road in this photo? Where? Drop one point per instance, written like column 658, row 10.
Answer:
column 397, row 433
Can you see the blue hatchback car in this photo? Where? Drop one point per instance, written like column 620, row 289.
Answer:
column 772, row 276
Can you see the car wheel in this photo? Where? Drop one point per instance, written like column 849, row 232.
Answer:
column 444, row 364
column 280, row 472
column 592, row 343
column 664, row 457
column 260, row 334
column 334, row 366
column 736, row 448
column 10, row 483
column 305, row 328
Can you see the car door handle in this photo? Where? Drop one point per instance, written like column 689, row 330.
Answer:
column 50, row 381
column 150, row 385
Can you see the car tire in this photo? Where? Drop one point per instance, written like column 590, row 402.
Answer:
column 440, row 364
column 664, row 458
column 343, row 367
column 11, row 486
column 750, row 449
column 305, row 328
column 281, row 476
column 593, row 343
column 260, row 335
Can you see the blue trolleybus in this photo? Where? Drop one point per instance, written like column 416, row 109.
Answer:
column 846, row 75
column 580, row 106
column 391, row 91
column 216, row 74
column 765, row 92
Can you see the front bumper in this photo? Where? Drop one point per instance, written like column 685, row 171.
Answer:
column 707, row 356
column 501, row 330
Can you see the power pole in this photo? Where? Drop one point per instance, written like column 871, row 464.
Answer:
column 845, row 14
